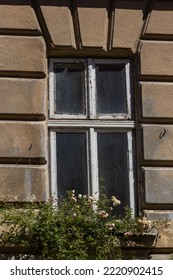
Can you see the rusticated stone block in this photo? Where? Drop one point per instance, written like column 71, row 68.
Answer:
column 19, row 16
column 59, row 22
column 158, row 144
column 93, row 22
column 160, row 257
column 157, row 100
column 23, row 183
column 128, row 23
column 165, row 237
column 161, row 19
column 17, row 137
column 22, row 96
column 158, row 185
column 159, row 214
column 22, row 54
column 157, row 58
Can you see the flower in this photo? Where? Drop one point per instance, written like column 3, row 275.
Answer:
column 111, row 226
column 73, row 192
column 79, row 223
column 143, row 221
column 103, row 214
column 128, row 233
column 115, row 201
column 74, row 199
column 91, row 200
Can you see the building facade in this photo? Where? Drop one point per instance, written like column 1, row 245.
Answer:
column 86, row 93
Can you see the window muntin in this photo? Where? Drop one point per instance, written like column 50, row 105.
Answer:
column 107, row 134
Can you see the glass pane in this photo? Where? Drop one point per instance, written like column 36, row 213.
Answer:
column 71, row 162
column 113, row 166
column 70, row 89
column 111, row 89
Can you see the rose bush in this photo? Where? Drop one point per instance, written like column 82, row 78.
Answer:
column 79, row 228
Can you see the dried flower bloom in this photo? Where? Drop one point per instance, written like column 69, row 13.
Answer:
column 85, row 196
column 103, row 214
column 128, row 233
column 111, row 226
column 80, row 196
column 91, row 200
column 115, row 201
column 74, row 199
column 143, row 221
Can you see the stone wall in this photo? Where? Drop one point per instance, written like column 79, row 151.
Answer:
column 23, row 103
column 33, row 31
column 155, row 77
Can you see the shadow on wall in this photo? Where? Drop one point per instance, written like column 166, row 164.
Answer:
column 15, row 2
column 120, row 4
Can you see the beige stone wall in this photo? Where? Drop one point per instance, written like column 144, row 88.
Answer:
column 155, row 76
column 23, row 104
column 155, row 90
column 31, row 32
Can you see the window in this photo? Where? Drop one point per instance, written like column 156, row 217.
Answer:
column 91, row 127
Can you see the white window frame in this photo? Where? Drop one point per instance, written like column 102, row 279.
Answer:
column 103, row 123
column 90, row 89
column 92, row 159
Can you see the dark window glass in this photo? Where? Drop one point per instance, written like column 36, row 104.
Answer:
column 70, row 89
column 113, row 166
column 111, row 89
column 71, row 162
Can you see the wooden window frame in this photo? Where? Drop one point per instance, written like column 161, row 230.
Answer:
column 107, row 123
column 90, row 89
